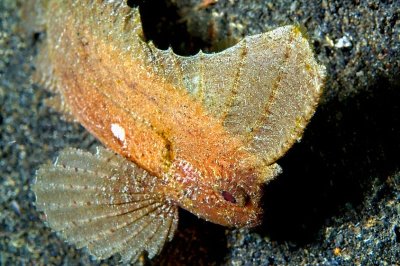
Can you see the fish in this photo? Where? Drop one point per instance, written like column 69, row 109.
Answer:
column 200, row 132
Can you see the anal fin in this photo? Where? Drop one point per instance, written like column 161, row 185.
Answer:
column 105, row 203
column 44, row 76
column 57, row 103
column 44, row 73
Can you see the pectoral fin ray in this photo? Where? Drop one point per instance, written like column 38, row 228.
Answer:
column 102, row 202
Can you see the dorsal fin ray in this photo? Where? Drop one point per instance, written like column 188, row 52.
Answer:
column 264, row 89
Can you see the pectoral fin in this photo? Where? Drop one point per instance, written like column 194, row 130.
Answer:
column 104, row 203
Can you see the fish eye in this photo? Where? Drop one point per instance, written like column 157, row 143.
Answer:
column 228, row 196
column 238, row 196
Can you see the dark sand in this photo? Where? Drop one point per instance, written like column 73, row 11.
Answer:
column 337, row 201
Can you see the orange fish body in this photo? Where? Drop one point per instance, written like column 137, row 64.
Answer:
column 208, row 128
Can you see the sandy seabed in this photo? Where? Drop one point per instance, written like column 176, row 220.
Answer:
column 337, row 201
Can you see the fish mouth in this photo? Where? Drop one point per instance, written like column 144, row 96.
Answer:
column 243, row 219
column 230, row 216
column 250, row 219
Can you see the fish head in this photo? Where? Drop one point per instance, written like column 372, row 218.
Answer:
column 228, row 195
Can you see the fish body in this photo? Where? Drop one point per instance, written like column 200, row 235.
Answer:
column 201, row 132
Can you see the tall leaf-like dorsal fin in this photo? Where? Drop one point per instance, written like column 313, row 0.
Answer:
column 264, row 89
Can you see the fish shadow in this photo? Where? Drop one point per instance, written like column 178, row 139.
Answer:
column 345, row 147
column 196, row 242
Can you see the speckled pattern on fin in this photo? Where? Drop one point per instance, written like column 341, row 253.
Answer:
column 104, row 203
column 264, row 89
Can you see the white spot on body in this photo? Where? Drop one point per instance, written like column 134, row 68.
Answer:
column 118, row 132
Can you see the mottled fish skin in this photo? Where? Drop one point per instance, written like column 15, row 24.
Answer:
column 208, row 127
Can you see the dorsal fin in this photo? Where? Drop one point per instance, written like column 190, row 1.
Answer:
column 264, row 89
column 104, row 203
column 114, row 16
